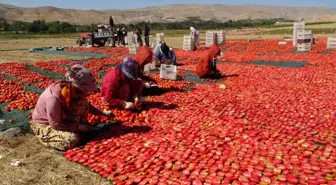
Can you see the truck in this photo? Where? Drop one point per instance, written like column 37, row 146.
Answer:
column 100, row 38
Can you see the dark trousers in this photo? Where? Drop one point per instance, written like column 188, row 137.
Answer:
column 140, row 40
column 147, row 40
column 121, row 40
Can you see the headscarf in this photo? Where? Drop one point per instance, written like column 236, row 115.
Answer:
column 81, row 78
column 142, row 55
column 165, row 49
column 77, row 77
column 129, row 67
column 214, row 51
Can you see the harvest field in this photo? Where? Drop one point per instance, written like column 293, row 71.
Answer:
column 273, row 123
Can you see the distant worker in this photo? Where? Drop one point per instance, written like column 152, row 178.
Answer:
column 60, row 115
column 111, row 21
column 147, row 33
column 124, row 33
column 100, row 28
column 164, row 55
column 138, row 33
column 120, row 37
column 206, row 66
column 194, row 36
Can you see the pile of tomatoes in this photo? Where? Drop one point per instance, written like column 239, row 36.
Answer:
column 9, row 90
column 26, row 101
column 19, row 71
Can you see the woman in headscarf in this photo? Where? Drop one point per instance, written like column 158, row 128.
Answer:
column 121, row 88
column 206, row 66
column 164, row 55
column 60, row 115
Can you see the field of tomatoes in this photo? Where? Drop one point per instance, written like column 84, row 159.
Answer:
column 269, row 126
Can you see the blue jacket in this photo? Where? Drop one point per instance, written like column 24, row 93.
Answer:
column 160, row 55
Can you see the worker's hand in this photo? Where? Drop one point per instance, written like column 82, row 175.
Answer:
column 137, row 100
column 128, row 105
column 108, row 113
column 147, row 85
column 84, row 128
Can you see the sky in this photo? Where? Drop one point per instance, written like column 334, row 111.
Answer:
column 128, row 4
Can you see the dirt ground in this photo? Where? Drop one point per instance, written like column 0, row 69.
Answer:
column 42, row 165
column 18, row 50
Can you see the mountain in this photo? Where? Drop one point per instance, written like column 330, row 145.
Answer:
column 168, row 13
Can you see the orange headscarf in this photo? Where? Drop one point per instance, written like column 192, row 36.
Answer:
column 142, row 55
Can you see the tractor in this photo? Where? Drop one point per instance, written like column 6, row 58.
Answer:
column 100, row 38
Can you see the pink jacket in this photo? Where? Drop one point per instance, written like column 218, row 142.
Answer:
column 49, row 110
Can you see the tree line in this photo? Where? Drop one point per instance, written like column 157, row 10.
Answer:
column 56, row 27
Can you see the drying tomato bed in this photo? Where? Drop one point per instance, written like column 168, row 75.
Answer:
column 270, row 125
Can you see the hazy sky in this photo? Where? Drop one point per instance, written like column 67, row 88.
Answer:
column 126, row 4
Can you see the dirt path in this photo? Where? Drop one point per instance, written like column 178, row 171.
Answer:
column 43, row 166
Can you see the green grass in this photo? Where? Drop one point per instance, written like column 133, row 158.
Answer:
column 290, row 31
column 8, row 35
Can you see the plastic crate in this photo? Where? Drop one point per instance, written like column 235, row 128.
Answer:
column 209, row 38
column 188, row 44
column 304, row 47
column 168, row 72
column 133, row 49
column 221, row 40
column 331, row 43
column 130, row 38
column 297, row 26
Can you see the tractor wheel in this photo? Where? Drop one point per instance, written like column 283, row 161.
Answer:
column 79, row 43
column 101, row 43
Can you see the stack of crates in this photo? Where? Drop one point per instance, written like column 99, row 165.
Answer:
column 159, row 37
column 133, row 49
column 188, row 44
column 210, row 38
column 298, row 26
column 331, row 44
column 130, row 38
column 221, row 37
column 304, row 40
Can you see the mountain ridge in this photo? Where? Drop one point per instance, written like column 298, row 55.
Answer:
column 167, row 13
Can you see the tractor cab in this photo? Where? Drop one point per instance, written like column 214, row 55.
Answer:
column 85, row 35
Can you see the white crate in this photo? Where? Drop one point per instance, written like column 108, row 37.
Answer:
column 209, row 38
column 159, row 38
column 133, row 49
column 297, row 26
column 188, row 44
column 304, row 47
column 331, row 44
column 221, row 37
column 130, row 38
column 304, row 34
column 168, row 72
